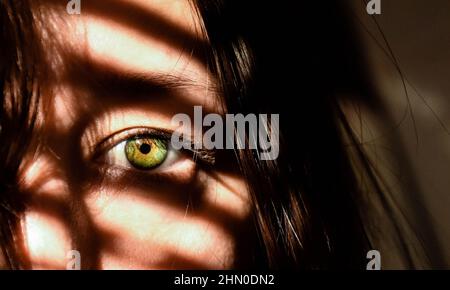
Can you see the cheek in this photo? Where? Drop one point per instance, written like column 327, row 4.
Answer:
column 187, row 221
column 47, row 240
column 183, row 227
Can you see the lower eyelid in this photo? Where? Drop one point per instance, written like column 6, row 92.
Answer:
column 182, row 172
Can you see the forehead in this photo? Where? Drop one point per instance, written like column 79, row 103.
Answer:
column 123, row 43
column 136, row 36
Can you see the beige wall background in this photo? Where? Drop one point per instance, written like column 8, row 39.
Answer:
column 413, row 147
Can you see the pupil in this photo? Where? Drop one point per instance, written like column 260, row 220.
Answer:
column 145, row 148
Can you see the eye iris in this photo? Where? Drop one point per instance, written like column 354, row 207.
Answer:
column 146, row 153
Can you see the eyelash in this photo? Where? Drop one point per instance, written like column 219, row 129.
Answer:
column 201, row 156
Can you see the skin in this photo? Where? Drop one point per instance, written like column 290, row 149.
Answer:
column 181, row 215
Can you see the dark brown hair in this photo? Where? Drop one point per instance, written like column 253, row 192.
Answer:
column 20, row 54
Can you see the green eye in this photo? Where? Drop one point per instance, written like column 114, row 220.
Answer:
column 146, row 153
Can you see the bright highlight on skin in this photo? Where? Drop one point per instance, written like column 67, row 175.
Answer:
column 146, row 153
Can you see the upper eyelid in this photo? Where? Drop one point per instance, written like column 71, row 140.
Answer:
column 114, row 139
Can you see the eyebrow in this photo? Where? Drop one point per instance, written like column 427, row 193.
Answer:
column 103, row 79
column 120, row 79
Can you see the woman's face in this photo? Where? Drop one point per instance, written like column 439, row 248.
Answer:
column 124, row 68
